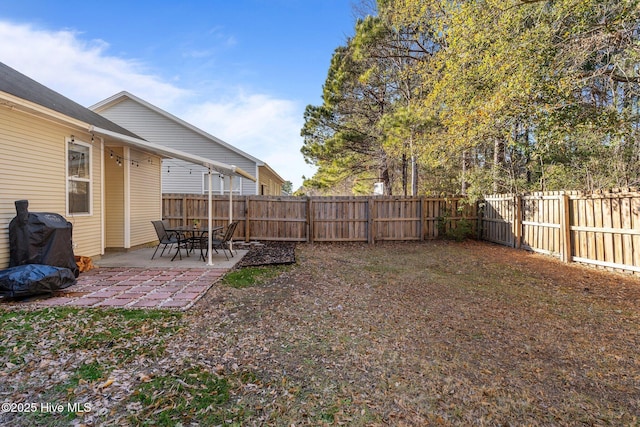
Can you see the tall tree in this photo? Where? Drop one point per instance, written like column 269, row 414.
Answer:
column 484, row 96
column 343, row 135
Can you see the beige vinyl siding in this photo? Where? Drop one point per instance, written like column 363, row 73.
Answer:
column 271, row 183
column 114, row 199
column 184, row 177
column 32, row 162
column 146, row 204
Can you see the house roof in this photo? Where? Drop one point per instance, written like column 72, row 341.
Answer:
column 121, row 96
column 25, row 93
column 274, row 172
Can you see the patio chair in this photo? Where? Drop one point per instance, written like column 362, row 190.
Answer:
column 200, row 242
column 167, row 239
column 218, row 241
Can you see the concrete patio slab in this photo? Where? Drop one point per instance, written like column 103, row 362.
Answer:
column 142, row 258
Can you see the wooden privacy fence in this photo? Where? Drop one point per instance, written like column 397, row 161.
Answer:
column 601, row 229
column 325, row 219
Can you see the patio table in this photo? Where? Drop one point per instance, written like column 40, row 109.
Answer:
column 202, row 241
column 191, row 235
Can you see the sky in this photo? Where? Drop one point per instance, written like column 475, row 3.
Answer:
column 241, row 70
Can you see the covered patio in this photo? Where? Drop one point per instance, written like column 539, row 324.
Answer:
column 133, row 280
column 119, row 226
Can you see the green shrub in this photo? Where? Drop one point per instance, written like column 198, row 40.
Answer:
column 457, row 230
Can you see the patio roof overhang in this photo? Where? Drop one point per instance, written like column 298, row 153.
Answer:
column 167, row 152
column 212, row 165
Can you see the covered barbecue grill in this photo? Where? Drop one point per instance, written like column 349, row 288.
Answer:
column 40, row 238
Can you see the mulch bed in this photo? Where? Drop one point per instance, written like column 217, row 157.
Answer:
column 268, row 253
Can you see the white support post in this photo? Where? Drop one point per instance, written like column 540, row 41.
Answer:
column 210, row 222
column 230, row 209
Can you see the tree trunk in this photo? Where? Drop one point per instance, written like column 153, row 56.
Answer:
column 463, row 189
column 498, row 159
column 386, row 179
column 404, row 174
column 414, row 176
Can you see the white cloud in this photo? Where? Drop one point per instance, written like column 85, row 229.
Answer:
column 80, row 70
column 220, row 34
column 263, row 126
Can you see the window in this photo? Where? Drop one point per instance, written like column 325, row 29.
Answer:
column 220, row 184
column 78, row 178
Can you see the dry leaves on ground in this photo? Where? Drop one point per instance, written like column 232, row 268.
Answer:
column 429, row 333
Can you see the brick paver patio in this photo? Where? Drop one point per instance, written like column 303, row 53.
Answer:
column 132, row 287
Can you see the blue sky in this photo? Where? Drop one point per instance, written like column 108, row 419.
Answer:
column 242, row 70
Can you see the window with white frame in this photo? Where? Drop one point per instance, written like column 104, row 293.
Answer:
column 220, row 184
column 78, row 178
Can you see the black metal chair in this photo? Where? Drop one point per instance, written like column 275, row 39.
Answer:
column 200, row 242
column 167, row 239
column 224, row 241
column 218, row 241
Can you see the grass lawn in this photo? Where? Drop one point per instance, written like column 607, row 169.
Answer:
column 438, row 333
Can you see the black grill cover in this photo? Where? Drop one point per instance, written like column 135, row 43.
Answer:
column 40, row 238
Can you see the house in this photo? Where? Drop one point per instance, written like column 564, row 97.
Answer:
column 67, row 159
column 163, row 128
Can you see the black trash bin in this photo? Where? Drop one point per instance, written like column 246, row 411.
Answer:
column 40, row 238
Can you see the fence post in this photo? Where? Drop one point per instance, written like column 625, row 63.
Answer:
column 247, row 216
column 479, row 218
column 423, row 220
column 185, row 209
column 565, row 229
column 517, row 222
column 309, row 220
column 370, row 222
